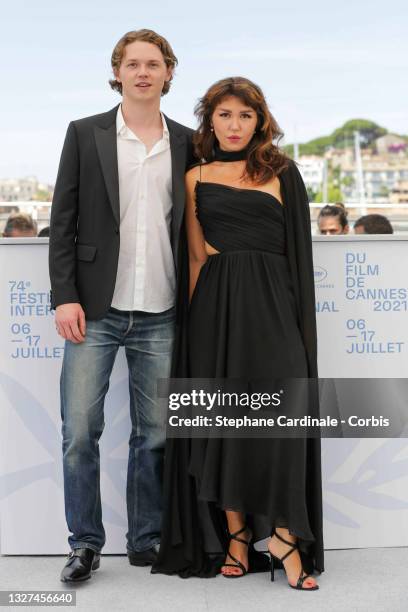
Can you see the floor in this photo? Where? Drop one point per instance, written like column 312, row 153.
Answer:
column 354, row 580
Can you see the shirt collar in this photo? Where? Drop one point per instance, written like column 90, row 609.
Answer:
column 120, row 122
column 165, row 128
column 122, row 129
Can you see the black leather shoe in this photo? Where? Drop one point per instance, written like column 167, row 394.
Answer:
column 146, row 557
column 81, row 561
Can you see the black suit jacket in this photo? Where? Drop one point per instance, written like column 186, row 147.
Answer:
column 85, row 221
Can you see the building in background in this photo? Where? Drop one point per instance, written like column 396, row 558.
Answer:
column 391, row 143
column 311, row 167
column 24, row 190
column 382, row 176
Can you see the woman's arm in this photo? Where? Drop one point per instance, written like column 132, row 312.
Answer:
column 196, row 244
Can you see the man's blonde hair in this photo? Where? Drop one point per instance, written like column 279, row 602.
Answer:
column 148, row 36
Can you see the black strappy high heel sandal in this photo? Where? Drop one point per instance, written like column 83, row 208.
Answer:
column 237, row 563
column 294, row 546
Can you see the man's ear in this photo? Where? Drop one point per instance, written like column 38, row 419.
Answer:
column 170, row 72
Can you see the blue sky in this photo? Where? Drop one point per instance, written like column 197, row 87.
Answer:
column 319, row 64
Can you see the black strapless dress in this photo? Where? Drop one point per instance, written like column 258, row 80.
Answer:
column 242, row 323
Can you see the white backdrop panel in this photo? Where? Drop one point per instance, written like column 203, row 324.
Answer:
column 364, row 481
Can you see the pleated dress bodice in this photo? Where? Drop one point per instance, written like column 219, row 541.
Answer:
column 234, row 219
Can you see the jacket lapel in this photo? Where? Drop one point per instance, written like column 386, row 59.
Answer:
column 105, row 139
column 178, row 150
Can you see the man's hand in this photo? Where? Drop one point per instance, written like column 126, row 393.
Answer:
column 70, row 322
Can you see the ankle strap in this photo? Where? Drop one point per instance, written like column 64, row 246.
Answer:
column 233, row 536
column 291, row 544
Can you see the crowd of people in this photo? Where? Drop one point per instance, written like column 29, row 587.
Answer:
column 331, row 221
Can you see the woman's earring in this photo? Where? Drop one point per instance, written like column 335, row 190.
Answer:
column 212, row 129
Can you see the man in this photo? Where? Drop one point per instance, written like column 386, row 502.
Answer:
column 114, row 241
column 20, row 225
column 373, row 224
column 44, row 233
column 332, row 220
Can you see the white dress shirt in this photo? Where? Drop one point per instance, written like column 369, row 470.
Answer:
column 145, row 278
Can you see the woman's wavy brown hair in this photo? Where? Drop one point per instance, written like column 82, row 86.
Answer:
column 148, row 36
column 265, row 159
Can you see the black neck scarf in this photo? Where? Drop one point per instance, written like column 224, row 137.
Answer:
column 229, row 156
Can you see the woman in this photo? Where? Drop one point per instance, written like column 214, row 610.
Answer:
column 251, row 315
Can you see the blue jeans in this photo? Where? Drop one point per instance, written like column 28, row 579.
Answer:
column 148, row 341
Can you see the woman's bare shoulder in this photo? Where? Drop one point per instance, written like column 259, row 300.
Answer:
column 193, row 173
